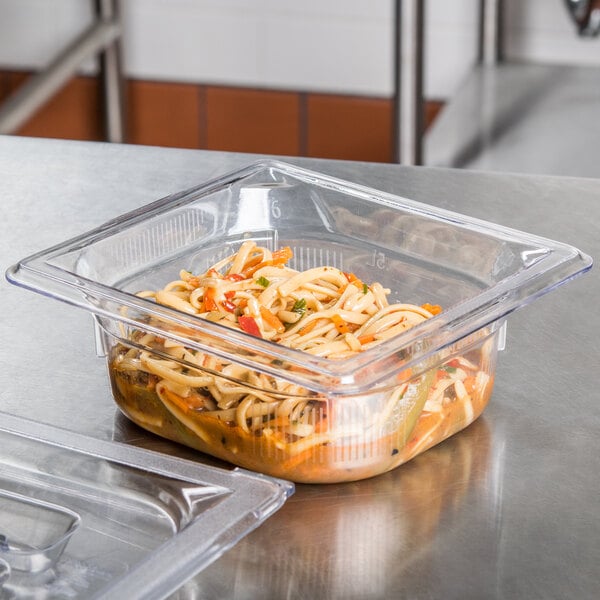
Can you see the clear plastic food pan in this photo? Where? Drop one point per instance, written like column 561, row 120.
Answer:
column 300, row 325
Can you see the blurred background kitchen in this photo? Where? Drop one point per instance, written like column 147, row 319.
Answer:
column 504, row 85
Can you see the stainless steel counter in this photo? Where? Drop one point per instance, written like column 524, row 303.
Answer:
column 509, row 508
column 524, row 118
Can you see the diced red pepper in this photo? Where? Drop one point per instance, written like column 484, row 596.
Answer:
column 228, row 305
column 249, row 325
column 210, row 300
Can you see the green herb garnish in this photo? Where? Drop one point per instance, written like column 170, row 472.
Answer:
column 263, row 281
column 299, row 306
column 365, row 288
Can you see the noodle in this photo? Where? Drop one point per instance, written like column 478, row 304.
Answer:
column 322, row 311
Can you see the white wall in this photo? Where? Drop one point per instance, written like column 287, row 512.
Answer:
column 318, row 45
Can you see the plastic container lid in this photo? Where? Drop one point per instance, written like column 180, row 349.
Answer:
column 478, row 271
column 89, row 518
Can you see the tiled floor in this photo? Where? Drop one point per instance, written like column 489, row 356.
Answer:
column 225, row 118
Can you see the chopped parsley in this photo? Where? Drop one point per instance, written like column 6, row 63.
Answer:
column 263, row 281
column 365, row 288
column 299, row 306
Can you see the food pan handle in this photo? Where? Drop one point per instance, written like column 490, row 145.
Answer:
column 502, row 336
column 100, row 339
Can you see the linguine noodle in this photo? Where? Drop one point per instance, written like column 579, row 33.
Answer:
column 322, row 311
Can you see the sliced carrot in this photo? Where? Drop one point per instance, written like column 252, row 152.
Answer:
column 192, row 402
column 405, row 375
column 366, row 339
column 441, row 374
column 340, row 324
column 248, row 272
column 271, row 320
column 278, row 422
column 469, row 384
column 278, row 258
column 281, row 256
column 177, row 401
column 434, row 309
column 354, row 280
column 308, row 327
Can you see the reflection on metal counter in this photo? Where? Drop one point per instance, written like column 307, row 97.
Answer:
column 518, row 117
column 521, row 118
column 520, row 517
column 370, row 533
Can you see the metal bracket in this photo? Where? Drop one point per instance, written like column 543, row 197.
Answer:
column 586, row 14
column 101, row 39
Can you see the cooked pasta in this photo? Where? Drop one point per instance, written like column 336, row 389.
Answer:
column 323, row 311
column 229, row 408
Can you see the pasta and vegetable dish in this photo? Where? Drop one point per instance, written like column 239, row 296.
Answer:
column 268, row 424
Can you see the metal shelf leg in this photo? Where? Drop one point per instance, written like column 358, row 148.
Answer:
column 111, row 73
column 490, row 32
column 408, row 98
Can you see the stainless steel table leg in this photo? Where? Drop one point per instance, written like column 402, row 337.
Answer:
column 408, row 109
column 111, row 73
column 490, row 32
